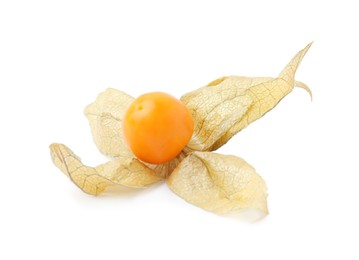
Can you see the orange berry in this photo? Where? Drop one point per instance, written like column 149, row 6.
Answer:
column 157, row 127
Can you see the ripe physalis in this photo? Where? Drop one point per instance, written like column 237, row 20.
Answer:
column 159, row 138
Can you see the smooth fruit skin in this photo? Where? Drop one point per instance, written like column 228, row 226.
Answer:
column 157, row 126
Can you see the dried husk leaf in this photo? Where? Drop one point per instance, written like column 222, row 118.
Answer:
column 219, row 183
column 105, row 116
column 214, row 110
column 247, row 98
column 94, row 180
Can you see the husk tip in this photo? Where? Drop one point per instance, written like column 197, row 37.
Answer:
column 305, row 87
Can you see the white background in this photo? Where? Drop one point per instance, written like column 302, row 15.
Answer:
column 56, row 56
